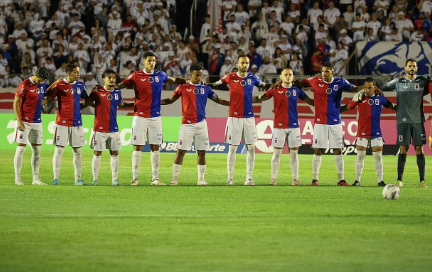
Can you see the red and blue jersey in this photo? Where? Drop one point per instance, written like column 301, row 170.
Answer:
column 68, row 98
column 241, row 89
column 285, row 106
column 106, row 103
column 369, row 115
column 31, row 95
column 327, row 97
column 194, row 101
column 148, row 89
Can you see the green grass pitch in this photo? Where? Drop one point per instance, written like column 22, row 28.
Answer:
column 214, row 228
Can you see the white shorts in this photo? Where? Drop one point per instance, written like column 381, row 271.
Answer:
column 105, row 140
column 290, row 135
column 73, row 135
column 146, row 128
column 240, row 129
column 32, row 133
column 328, row 136
column 198, row 132
column 374, row 142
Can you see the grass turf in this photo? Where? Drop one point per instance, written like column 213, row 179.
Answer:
column 215, row 228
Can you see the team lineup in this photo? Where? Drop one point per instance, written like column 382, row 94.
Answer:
column 147, row 84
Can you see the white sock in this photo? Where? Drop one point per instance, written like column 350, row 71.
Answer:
column 360, row 164
column 316, row 164
column 115, row 165
column 35, row 161
column 275, row 162
column 176, row 171
column 77, row 162
column 136, row 161
column 339, row 162
column 231, row 160
column 201, row 171
column 294, row 163
column 155, row 160
column 95, row 166
column 57, row 160
column 18, row 160
column 378, row 165
column 250, row 160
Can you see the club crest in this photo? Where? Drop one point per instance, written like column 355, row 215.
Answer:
column 195, row 91
column 109, row 97
column 79, row 90
column 202, row 90
column 249, row 81
column 370, row 102
column 38, row 91
column 157, row 78
column 329, row 91
column 243, row 83
column 377, row 102
column 416, row 86
column 335, row 87
column 287, row 93
column 150, row 79
column 116, row 96
column 72, row 91
column 294, row 93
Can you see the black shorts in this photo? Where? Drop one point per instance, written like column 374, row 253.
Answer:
column 406, row 131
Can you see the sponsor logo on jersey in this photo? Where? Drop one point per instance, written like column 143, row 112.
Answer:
column 236, row 81
column 195, row 91
column 328, row 91
column 150, row 79
column 116, row 96
column 281, row 92
column 287, row 93
column 143, row 79
column 32, row 91
column 109, row 97
column 370, row 102
column 202, row 90
column 103, row 95
column 157, row 78
column 189, row 90
column 243, row 83
column 321, row 85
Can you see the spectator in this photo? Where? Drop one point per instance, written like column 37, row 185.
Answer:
column 296, row 65
column 364, row 15
column 345, row 40
column 358, row 28
column 313, row 14
column 349, row 16
column 61, row 72
column 425, row 7
column 370, row 37
column 331, row 15
column 260, row 27
column 395, row 35
column 385, row 31
column 226, row 68
column 405, row 26
column 264, row 50
column 273, row 20
column 321, row 34
column 340, row 60
column 76, row 26
column 44, row 48
column 417, row 36
column 287, row 26
column 254, row 57
column 422, row 22
column 285, row 46
column 280, row 61
column 267, row 67
column 127, row 70
column 241, row 16
column 205, row 28
column 381, row 5
column 265, row 10
column 374, row 24
column 294, row 13
column 316, row 61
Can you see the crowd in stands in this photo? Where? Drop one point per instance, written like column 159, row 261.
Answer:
column 101, row 34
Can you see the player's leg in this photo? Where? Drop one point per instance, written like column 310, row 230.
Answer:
column 115, row 166
column 250, row 138
column 114, row 146
column 404, row 140
column 138, row 139
column 320, row 143
column 77, row 141
column 96, row 161
column 61, row 136
column 201, row 146
column 377, row 148
column 155, row 139
column 278, row 142
column 336, row 143
column 21, row 138
column 201, row 167
column 233, row 133
column 178, row 161
column 36, row 139
column 361, row 145
column 419, row 139
column 294, row 142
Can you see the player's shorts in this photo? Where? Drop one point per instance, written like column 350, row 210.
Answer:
column 328, row 136
column 282, row 135
column 146, row 128
column 105, row 140
column 238, row 129
column 408, row 131
column 73, row 135
column 373, row 142
column 198, row 132
column 32, row 133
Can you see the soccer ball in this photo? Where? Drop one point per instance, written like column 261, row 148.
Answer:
column 391, row 192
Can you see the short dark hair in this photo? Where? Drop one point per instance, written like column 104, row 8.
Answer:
column 195, row 67
column 370, row 79
column 148, row 54
column 328, row 64
column 242, row 56
column 70, row 68
column 410, row 60
column 42, row 72
column 108, row 72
